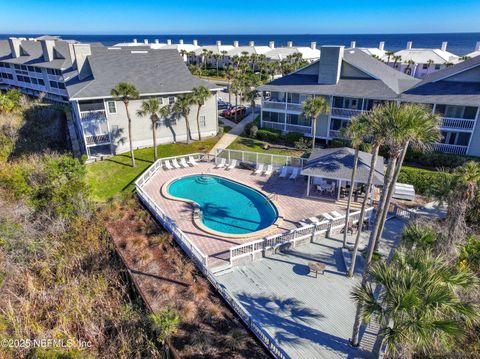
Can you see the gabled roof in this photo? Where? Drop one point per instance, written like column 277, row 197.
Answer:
column 450, row 71
column 258, row 50
column 421, row 56
column 281, row 53
column 337, row 163
column 381, row 81
column 215, row 49
column 153, row 72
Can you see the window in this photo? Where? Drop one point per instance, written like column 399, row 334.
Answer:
column 203, row 121
column 61, row 85
column 41, row 82
column 293, row 98
column 51, row 71
column 299, row 120
column 273, row 116
column 337, row 124
column 171, row 100
column 437, row 67
column 425, row 66
column 54, row 84
column 111, row 107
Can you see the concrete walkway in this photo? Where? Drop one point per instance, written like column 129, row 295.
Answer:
column 228, row 138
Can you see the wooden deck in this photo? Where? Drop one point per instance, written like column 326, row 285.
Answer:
column 287, row 195
column 309, row 317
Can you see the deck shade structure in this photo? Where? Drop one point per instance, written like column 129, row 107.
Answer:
column 336, row 164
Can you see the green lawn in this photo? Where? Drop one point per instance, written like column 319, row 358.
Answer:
column 115, row 175
column 252, row 145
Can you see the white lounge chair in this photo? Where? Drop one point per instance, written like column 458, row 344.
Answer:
column 175, row 163
column 167, row 165
column 268, row 171
column 295, row 173
column 284, row 172
column 183, row 162
column 192, row 161
column 221, row 164
column 232, row 164
column 259, row 169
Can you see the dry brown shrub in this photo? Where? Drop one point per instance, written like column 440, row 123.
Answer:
column 189, row 311
column 145, row 257
column 213, row 311
column 168, row 289
column 199, row 291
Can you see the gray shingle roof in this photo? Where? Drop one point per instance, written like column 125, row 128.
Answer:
column 151, row 71
column 337, row 163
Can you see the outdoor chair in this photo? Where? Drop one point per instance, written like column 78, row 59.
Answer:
column 221, row 164
column 167, row 165
column 175, row 163
column 295, row 173
column 259, row 169
column 183, row 162
column 192, row 161
column 268, row 171
column 284, row 172
column 232, row 164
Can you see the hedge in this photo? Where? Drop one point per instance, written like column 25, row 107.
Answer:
column 423, row 180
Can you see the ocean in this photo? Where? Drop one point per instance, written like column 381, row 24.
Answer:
column 458, row 43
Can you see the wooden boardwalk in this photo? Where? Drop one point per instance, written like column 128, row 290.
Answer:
column 309, row 317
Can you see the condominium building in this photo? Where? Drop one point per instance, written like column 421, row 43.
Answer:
column 354, row 81
column 84, row 75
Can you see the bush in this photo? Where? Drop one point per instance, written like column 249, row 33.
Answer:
column 437, row 159
column 253, row 131
column 270, row 135
column 292, row 137
column 423, row 180
column 248, row 126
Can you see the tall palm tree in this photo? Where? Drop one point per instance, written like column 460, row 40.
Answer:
column 217, row 58
column 312, row 108
column 396, row 59
column 229, row 74
column 410, row 64
column 127, row 92
column 416, row 302
column 251, row 96
column 403, row 125
column 389, row 55
column 419, row 129
column 200, row 95
column 184, row 53
column 182, row 106
column 150, row 108
column 355, row 131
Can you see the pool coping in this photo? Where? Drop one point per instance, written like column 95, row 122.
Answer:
column 198, row 223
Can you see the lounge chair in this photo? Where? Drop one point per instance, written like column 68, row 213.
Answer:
column 268, row 171
column 335, row 214
column 259, row 169
column 284, row 172
column 192, row 161
column 314, row 220
column 175, row 163
column 221, row 164
column 327, row 216
column 167, row 165
column 232, row 164
column 183, row 162
column 295, row 173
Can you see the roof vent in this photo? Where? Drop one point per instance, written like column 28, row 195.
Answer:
column 145, row 41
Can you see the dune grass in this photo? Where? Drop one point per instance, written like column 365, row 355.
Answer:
column 116, row 176
column 253, row 145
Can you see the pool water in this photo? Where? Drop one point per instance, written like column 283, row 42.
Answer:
column 226, row 206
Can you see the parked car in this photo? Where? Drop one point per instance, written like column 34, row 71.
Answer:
column 231, row 112
column 222, row 104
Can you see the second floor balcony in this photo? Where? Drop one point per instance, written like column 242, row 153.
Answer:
column 344, row 112
column 457, row 123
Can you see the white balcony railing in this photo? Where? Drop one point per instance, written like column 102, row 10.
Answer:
column 273, row 105
column 457, row 123
column 97, row 139
column 275, row 125
column 344, row 112
column 294, row 107
column 93, row 115
column 336, row 134
column 299, row 128
column 455, row 149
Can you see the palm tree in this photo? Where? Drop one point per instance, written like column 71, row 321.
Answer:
column 389, row 55
column 150, row 108
column 418, row 306
column 164, row 323
column 251, row 96
column 200, row 95
column 404, row 125
column 217, row 58
column 182, row 107
column 448, row 64
column 465, row 58
column 312, row 108
column 184, row 53
column 356, row 132
column 410, row 63
column 126, row 92
column 229, row 74
column 430, row 62
column 419, row 129
column 396, row 59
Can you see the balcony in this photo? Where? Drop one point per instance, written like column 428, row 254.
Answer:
column 455, row 149
column 344, row 112
column 100, row 139
column 294, row 107
column 275, row 125
column 336, row 134
column 273, row 105
column 97, row 115
column 306, row 130
column 457, row 123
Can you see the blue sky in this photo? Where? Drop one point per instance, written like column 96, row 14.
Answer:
column 238, row 17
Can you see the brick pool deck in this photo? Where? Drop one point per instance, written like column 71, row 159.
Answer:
column 287, row 195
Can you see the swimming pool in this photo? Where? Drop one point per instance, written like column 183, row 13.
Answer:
column 226, row 206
